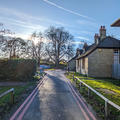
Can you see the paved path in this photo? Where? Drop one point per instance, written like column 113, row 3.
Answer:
column 56, row 100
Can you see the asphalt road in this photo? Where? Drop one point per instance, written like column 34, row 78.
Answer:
column 56, row 100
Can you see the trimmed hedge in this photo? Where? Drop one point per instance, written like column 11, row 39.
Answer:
column 17, row 69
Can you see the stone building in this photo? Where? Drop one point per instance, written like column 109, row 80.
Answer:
column 72, row 62
column 98, row 59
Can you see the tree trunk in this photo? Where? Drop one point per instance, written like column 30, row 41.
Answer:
column 57, row 62
column 38, row 61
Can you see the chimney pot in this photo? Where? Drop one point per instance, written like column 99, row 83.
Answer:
column 96, row 38
column 103, row 27
column 102, row 32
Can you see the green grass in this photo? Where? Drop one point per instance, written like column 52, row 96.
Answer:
column 50, row 69
column 105, row 86
column 109, row 88
column 18, row 91
column 5, row 101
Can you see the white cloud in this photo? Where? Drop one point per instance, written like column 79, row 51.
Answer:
column 29, row 25
column 67, row 10
column 24, row 23
column 86, row 22
column 86, row 32
column 82, row 38
column 23, row 36
column 22, row 27
column 77, row 42
column 26, row 17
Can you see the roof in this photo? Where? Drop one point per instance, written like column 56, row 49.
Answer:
column 74, row 58
column 108, row 42
column 81, row 50
column 116, row 23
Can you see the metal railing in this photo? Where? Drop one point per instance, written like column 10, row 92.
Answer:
column 107, row 101
column 7, row 92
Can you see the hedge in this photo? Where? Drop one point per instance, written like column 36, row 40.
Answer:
column 17, row 69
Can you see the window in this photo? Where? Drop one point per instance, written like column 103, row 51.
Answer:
column 116, row 51
column 117, row 56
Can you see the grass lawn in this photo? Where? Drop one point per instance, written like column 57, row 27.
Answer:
column 50, row 69
column 110, row 88
column 18, row 91
column 21, row 92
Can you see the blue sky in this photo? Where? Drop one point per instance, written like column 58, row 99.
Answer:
column 82, row 18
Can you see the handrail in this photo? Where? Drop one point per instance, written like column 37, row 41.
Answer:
column 8, row 91
column 100, row 95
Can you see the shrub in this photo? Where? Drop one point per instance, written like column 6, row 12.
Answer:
column 17, row 69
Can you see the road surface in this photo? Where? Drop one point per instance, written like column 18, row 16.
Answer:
column 55, row 100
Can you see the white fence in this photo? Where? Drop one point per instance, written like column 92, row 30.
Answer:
column 107, row 101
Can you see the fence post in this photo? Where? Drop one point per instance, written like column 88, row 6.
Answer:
column 88, row 92
column 80, row 85
column 106, row 111
column 12, row 97
column 73, row 76
column 76, row 81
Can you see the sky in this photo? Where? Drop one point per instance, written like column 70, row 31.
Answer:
column 82, row 18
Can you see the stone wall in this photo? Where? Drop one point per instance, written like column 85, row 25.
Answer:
column 100, row 63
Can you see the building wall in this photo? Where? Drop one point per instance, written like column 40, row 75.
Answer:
column 84, row 68
column 100, row 63
column 80, row 68
column 72, row 65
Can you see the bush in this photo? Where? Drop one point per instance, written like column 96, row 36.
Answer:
column 17, row 69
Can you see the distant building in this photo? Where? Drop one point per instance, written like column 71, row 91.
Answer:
column 72, row 62
column 99, row 59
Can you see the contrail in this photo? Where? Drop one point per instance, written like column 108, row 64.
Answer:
column 67, row 10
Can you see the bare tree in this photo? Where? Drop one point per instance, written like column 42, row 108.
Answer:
column 14, row 47
column 39, row 46
column 35, row 46
column 59, row 45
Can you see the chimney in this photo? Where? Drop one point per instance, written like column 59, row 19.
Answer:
column 96, row 38
column 85, row 46
column 102, row 32
column 77, row 51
